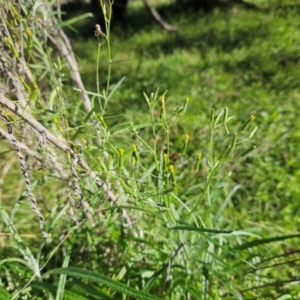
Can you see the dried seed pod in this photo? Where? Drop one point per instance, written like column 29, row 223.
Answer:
column 98, row 31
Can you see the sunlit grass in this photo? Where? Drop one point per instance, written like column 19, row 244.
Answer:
column 204, row 208
column 240, row 58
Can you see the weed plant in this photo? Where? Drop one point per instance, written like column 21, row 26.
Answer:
column 126, row 210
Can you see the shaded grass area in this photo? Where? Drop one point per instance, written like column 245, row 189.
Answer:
column 213, row 54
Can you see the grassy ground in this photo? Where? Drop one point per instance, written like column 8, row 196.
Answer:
column 235, row 57
column 243, row 59
column 228, row 232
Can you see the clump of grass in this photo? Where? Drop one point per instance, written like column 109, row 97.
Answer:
column 133, row 209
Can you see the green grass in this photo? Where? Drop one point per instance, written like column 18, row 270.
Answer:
column 243, row 59
column 226, row 231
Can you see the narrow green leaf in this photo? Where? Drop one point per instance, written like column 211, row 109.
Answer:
column 81, row 288
column 265, row 241
column 197, row 229
column 156, row 274
column 67, row 295
column 62, row 278
column 160, row 179
column 147, row 99
column 102, row 279
column 74, row 20
column 16, row 260
column 135, row 127
column 115, row 88
column 151, row 212
column 89, row 93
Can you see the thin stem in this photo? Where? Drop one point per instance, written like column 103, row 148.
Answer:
column 212, row 173
column 107, row 36
column 97, row 76
column 154, row 136
column 211, row 145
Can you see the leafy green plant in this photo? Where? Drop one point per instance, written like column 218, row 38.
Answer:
column 127, row 208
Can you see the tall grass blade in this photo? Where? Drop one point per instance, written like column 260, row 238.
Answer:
column 102, row 279
column 74, row 20
column 62, row 279
column 94, row 292
column 197, row 229
column 265, row 241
